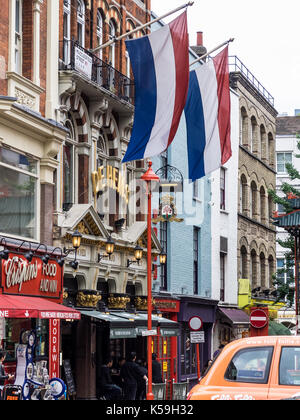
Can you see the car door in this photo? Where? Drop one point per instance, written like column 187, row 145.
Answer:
column 285, row 376
column 247, row 375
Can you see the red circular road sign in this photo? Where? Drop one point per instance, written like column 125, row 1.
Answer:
column 258, row 319
column 195, row 323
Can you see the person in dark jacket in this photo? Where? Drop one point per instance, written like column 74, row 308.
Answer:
column 3, row 376
column 156, row 370
column 107, row 387
column 141, row 383
column 131, row 373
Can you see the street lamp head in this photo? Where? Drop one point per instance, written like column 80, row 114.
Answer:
column 163, row 258
column 150, row 175
column 110, row 246
column 138, row 253
column 76, row 239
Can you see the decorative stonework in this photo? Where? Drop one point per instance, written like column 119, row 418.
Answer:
column 141, row 303
column 25, row 99
column 118, row 301
column 88, row 299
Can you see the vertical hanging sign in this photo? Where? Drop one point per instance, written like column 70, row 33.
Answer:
column 54, row 347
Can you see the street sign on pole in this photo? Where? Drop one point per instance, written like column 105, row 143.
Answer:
column 258, row 319
column 197, row 337
column 195, row 323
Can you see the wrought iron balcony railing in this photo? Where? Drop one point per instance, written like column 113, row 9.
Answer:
column 90, row 66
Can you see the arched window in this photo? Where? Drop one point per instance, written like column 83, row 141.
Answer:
column 69, row 165
column 243, row 263
column 271, row 270
column 243, row 195
column 112, row 48
column 263, row 269
column 271, row 151
column 253, row 200
column 254, row 147
column 263, row 216
column 80, row 22
column 253, row 269
column 244, row 127
column 263, row 143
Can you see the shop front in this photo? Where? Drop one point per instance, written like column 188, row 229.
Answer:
column 30, row 314
column 205, row 309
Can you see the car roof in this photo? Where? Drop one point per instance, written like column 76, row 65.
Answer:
column 266, row 340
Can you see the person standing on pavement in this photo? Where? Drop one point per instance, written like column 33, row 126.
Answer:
column 141, row 383
column 156, row 370
column 107, row 387
column 3, row 376
column 130, row 374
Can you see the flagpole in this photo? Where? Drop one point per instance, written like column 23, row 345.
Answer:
column 119, row 38
column 212, row 51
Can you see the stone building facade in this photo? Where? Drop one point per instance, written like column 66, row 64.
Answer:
column 257, row 174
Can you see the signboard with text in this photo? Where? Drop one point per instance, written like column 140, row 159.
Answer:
column 83, row 62
column 20, row 277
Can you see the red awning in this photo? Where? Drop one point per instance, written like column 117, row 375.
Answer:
column 33, row 307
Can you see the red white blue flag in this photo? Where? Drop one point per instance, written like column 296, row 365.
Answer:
column 160, row 64
column 207, row 114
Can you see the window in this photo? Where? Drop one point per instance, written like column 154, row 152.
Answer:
column 289, row 367
column 18, row 194
column 251, row 365
column 80, row 22
column 222, row 189
column 282, row 160
column 222, row 277
column 18, row 36
column 188, row 357
column 67, row 31
column 196, row 189
column 196, row 260
column 163, row 231
column 69, row 165
column 112, row 48
column 100, row 26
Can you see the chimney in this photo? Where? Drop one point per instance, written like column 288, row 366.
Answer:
column 199, row 39
column 199, row 49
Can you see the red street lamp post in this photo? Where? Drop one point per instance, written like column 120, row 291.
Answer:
column 149, row 177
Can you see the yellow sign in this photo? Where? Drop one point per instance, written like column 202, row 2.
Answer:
column 165, row 366
column 110, row 177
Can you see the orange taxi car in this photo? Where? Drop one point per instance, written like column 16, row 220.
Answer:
column 257, row 368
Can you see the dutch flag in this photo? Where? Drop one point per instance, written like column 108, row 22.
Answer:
column 207, row 114
column 160, row 64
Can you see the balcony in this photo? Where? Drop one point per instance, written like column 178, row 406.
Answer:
column 91, row 68
column 237, row 66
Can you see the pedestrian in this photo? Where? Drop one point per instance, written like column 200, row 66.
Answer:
column 130, row 374
column 3, row 376
column 218, row 351
column 156, row 370
column 141, row 383
column 107, row 388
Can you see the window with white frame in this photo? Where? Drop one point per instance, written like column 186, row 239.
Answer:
column 69, row 163
column 67, row 31
column 100, row 28
column 222, row 189
column 18, row 36
column 282, row 159
column 18, row 194
column 112, row 48
column 80, row 22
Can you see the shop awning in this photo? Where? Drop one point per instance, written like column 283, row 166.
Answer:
column 235, row 316
column 12, row 306
column 140, row 320
column 119, row 327
column 167, row 327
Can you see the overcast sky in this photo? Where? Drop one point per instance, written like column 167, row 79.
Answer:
column 267, row 39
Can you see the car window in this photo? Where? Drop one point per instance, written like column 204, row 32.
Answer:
column 289, row 367
column 250, row 365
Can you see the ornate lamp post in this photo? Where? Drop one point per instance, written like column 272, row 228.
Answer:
column 149, row 177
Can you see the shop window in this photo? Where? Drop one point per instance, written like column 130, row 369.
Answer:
column 18, row 194
column 250, row 366
column 289, row 368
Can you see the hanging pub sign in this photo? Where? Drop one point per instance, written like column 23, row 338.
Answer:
column 34, row 278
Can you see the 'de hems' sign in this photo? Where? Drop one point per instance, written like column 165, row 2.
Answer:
column 20, row 277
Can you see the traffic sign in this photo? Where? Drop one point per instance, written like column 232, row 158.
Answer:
column 258, row 319
column 195, row 323
column 197, row 337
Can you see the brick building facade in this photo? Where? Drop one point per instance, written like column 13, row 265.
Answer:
column 257, row 174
